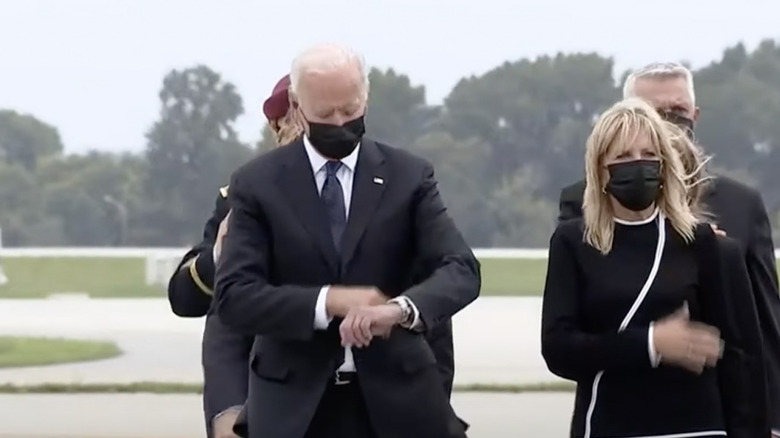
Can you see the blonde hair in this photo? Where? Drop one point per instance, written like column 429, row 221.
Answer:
column 694, row 162
column 618, row 127
column 286, row 129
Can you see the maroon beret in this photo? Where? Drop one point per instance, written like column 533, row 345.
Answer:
column 276, row 106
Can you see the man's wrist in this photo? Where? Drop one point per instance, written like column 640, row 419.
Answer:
column 334, row 306
column 399, row 319
column 321, row 316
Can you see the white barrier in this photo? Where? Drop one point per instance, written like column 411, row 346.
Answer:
column 99, row 252
column 159, row 267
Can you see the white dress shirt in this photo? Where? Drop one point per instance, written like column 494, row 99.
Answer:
column 345, row 175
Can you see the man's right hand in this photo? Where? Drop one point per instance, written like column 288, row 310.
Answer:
column 685, row 343
column 223, row 425
column 342, row 299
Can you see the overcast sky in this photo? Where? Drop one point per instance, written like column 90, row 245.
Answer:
column 93, row 68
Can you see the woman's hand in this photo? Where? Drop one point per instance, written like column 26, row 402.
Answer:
column 717, row 230
column 685, row 343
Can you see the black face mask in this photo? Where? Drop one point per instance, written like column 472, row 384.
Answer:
column 681, row 121
column 334, row 141
column 635, row 184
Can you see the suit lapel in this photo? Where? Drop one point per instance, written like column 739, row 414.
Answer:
column 367, row 189
column 298, row 184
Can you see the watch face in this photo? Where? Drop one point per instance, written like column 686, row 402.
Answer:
column 406, row 310
column 409, row 315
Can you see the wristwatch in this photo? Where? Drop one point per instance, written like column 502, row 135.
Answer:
column 407, row 315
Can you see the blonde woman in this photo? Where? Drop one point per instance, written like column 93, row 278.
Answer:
column 644, row 307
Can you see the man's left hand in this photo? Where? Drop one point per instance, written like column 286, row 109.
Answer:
column 363, row 323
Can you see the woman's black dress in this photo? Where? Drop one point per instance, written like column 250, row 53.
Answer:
column 597, row 325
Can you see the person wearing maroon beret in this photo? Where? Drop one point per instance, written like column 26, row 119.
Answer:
column 225, row 352
column 282, row 121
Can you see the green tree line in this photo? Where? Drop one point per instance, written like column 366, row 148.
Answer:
column 503, row 143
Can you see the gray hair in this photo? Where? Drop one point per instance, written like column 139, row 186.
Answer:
column 325, row 58
column 659, row 70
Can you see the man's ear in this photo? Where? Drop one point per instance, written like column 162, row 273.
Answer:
column 696, row 114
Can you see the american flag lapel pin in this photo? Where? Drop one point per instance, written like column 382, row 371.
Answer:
column 378, row 180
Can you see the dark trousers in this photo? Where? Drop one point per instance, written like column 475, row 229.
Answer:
column 341, row 414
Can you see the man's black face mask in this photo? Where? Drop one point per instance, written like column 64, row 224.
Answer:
column 680, row 120
column 336, row 141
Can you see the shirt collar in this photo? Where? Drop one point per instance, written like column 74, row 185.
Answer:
column 318, row 161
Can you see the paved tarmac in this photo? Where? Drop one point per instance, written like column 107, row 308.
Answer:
column 497, row 340
column 179, row 416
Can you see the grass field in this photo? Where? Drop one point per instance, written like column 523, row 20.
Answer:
column 99, row 277
column 18, row 352
column 513, row 277
column 124, row 277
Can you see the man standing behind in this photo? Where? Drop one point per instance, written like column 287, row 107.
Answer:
column 324, row 235
column 739, row 210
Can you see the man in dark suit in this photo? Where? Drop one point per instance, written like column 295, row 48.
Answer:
column 225, row 352
column 324, row 237
column 738, row 209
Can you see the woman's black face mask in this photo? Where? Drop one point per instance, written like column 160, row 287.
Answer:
column 635, row 184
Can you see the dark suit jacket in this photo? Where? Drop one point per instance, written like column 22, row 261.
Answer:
column 225, row 352
column 742, row 370
column 740, row 212
column 279, row 253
